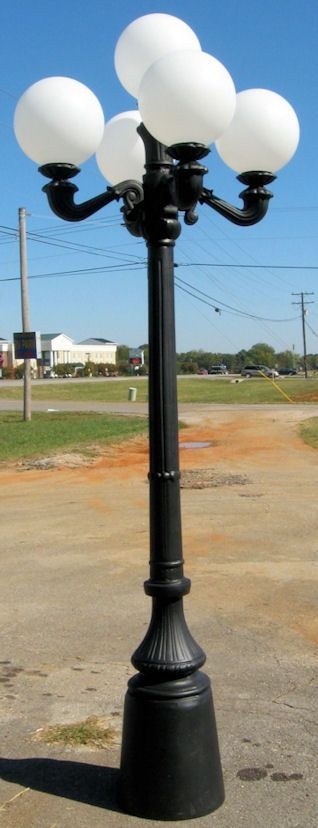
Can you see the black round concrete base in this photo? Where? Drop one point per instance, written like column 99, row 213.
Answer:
column 170, row 763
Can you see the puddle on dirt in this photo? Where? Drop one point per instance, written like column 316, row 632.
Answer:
column 195, row 445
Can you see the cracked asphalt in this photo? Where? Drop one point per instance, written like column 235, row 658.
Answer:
column 74, row 555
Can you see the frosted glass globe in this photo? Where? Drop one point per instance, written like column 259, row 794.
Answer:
column 147, row 39
column 58, row 120
column 121, row 154
column 263, row 134
column 187, row 96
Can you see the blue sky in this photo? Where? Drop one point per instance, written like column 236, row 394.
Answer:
column 271, row 45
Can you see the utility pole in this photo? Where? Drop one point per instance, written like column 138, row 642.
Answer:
column 25, row 311
column 303, row 314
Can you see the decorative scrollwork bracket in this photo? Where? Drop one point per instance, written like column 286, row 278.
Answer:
column 60, row 193
column 255, row 198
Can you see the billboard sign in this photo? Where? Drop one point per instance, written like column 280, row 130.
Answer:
column 27, row 345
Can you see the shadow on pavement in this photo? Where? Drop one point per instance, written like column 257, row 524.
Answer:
column 91, row 784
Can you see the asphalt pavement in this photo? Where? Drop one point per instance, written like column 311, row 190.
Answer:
column 72, row 612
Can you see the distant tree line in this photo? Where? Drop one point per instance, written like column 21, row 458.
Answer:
column 190, row 362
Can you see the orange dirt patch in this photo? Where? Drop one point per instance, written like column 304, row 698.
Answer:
column 252, row 548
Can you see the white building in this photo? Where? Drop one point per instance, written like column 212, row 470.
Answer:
column 95, row 350
column 58, row 349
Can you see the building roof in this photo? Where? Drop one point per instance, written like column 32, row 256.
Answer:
column 92, row 340
column 51, row 335
column 96, row 341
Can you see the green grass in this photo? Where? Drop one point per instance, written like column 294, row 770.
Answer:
column 48, row 433
column 309, row 432
column 51, row 432
column 101, row 391
column 249, row 392
column 190, row 390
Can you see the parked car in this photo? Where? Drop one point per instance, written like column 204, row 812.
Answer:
column 287, row 372
column 258, row 371
column 217, row 369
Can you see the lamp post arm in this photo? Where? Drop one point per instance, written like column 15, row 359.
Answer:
column 60, row 193
column 255, row 198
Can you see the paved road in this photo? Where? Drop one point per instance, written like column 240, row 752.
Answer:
column 73, row 558
column 199, row 409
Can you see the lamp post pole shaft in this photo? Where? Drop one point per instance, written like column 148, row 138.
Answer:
column 165, row 514
column 168, row 649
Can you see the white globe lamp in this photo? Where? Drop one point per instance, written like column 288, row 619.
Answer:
column 187, row 96
column 59, row 120
column 263, row 134
column 121, row 153
column 147, row 39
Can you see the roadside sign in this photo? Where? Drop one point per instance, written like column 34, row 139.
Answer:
column 27, row 345
column 136, row 356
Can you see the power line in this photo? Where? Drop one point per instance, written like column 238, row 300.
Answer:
column 229, row 308
column 138, row 263
column 72, row 246
column 311, row 329
column 131, row 266
column 35, row 236
column 244, row 266
column 195, row 292
column 9, row 94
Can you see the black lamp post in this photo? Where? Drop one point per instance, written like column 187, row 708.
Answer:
column 170, row 764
